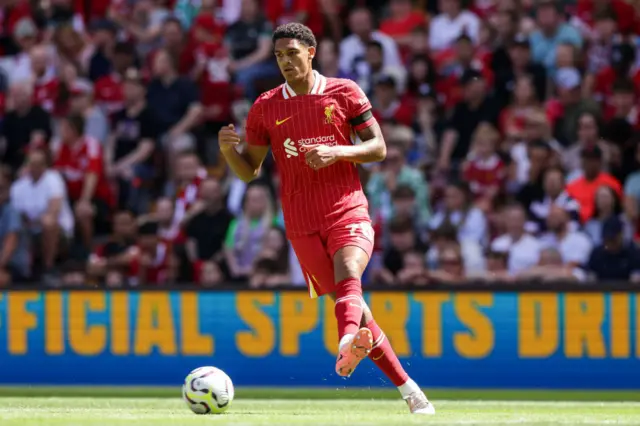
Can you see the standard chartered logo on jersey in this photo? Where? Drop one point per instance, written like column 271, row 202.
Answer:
column 291, row 148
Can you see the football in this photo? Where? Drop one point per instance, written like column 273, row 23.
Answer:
column 208, row 390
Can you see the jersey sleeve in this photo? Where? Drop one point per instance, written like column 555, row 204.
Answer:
column 255, row 128
column 358, row 106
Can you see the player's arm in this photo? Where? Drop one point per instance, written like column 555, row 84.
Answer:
column 372, row 149
column 245, row 165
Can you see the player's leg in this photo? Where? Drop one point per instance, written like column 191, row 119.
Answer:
column 355, row 342
column 349, row 263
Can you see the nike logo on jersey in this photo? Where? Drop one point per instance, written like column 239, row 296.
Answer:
column 290, row 148
column 279, row 122
column 381, row 355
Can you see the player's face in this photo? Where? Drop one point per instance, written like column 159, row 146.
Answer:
column 294, row 58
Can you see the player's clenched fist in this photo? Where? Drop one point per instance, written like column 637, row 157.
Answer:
column 319, row 156
column 228, row 138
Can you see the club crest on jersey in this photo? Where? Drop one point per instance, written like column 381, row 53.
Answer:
column 328, row 114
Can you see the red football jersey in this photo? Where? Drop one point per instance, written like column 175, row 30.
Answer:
column 45, row 92
column 311, row 200
column 75, row 161
column 109, row 93
column 485, row 175
column 158, row 272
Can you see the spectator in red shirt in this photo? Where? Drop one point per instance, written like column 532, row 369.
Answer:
column 586, row 11
column 81, row 164
column 108, row 90
column 387, row 105
column 402, row 21
column 464, row 59
column 151, row 260
column 11, row 13
column 623, row 65
column 46, row 84
column 512, row 118
column 484, row 170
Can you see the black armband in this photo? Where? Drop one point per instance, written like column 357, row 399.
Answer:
column 362, row 118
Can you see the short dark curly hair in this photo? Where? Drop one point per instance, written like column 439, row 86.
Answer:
column 296, row 31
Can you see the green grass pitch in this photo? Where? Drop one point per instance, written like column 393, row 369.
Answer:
column 138, row 407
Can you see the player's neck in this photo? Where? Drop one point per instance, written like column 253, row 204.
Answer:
column 304, row 85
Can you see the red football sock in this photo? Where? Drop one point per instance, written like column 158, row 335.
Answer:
column 384, row 357
column 348, row 309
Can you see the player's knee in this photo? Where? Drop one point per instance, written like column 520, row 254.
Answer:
column 348, row 268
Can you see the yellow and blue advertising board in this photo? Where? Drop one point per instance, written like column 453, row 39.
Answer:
column 582, row 340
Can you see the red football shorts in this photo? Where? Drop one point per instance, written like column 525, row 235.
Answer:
column 315, row 251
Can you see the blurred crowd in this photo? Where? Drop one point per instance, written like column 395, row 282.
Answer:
column 512, row 132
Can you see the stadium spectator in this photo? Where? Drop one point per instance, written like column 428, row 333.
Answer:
column 565, row 110
column 110, row 260
column 471, row 251
column 622, row 104
column 328, row 51
column 552, row 31
column 353, row 47
column 175, row 104
column 484, row 170
column 552, row 268
column 151, row 260
column 131, row 145
column 453, row 21
column 402, row 240
column 632, row 195
column 476, row 108
column 40, row 197
column 554, row 194
column 520, row 63
column 378, row 71
column 459, row 211
column 244, row 237
column 249, row 44
column 207, row 229
column 523, row 104
column 451, row 269
column 144, row 23
column 109, row 90
column 95, row 121
column 210, row 275
column 393, row 174
column 522, row 250
column 14, row 252
column 80, row 161
column 589, row 136
column 614, row 258
column 402, row 20
column 574, row 246
column 607, row 205
column 387, row 104
column 583, row 189
column 271, row 266
column 24, row 125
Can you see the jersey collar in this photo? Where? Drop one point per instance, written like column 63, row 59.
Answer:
column 319, row 84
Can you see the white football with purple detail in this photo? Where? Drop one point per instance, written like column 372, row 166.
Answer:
column 208, row 390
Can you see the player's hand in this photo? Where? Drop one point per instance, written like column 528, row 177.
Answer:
column 228, row 138
column 319, row 156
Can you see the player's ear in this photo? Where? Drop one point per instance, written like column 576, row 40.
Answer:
column 312, row 52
